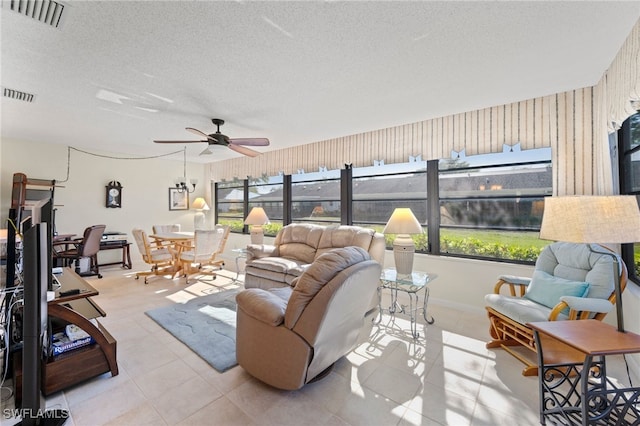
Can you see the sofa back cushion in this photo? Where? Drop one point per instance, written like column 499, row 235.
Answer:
column 576, row 262
column 319, row 273
column 299, row 241
column 345, row 236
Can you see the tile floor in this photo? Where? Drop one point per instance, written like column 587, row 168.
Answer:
column 446, row 377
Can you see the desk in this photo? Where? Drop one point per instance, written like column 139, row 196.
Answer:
column 410, row 285
column 573, row 382
column 123, row 245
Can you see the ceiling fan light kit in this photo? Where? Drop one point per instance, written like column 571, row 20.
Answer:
column 238, row 145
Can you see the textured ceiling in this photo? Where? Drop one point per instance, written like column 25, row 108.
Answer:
column 116, row 75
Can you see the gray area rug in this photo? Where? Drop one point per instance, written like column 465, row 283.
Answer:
column 207, row 325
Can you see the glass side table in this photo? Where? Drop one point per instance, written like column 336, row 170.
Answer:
column 411, row 285
column 241, row 253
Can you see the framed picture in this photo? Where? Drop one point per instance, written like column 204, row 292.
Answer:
column 178, row 200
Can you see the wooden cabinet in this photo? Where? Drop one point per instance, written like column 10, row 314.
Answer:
column 80, row 364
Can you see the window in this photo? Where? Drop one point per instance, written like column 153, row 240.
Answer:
column 315, row 197
column 629, row 167
column 267, row 192
column 230, row 204
column 378, row 190
column 484, row 206
column 491, row 205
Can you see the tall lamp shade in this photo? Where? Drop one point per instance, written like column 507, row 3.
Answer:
column 600, row 219
column 403, row 223
column 256, row 218
column 200, row 205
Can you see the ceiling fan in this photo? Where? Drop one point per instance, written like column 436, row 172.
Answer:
column 217, row 138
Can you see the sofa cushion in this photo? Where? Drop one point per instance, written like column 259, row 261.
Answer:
column 344, row 236
column 577, row 262
column 299, row 241
column 276, row 269
column 317, row 276
column 519, row 309
column 547, row 289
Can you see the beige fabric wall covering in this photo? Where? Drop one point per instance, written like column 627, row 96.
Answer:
column 574, row 124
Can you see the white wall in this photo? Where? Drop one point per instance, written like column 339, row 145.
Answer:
column 80, row 200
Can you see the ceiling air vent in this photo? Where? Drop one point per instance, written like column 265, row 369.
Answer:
column 18, row 95
column 46, row 11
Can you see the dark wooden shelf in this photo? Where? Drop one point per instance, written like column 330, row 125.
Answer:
column 80, row 364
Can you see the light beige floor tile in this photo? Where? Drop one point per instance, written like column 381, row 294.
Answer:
column 255, row 398
column 220, row 412
column 296, row 408
column 442, row 406
column 155, row 382
column 397, row 384
column 105, row 407
column 142, row 415
column 369, row 408
column 181, row 401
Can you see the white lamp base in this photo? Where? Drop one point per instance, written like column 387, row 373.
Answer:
column 403, row 250
column 257, row 234
column 199, row 221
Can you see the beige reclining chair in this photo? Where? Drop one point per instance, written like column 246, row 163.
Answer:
column 289, row 336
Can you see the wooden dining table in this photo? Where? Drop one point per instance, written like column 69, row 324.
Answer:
column 176, row 241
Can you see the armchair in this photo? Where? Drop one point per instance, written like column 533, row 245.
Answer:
column 161, row 259
column 569, row 282
column 86, row 247
column 289, row 336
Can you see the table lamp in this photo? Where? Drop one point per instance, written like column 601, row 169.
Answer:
column 256, row 218
column 594, row 219
column 403, row 223
column 199, row 218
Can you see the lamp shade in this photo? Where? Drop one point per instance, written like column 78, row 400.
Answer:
column 402, row 221
column 200, row 204
column 257, row 216
column 591, row 219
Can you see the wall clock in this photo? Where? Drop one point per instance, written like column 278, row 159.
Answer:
column 114, row 194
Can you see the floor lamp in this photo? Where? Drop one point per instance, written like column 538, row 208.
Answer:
column 403, row 223
column 606, row 219
column 256, row 218
column 199, row 218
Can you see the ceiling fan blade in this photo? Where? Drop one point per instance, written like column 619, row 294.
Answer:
column 242, row 150
column 181, row 141
column 250, row 141
column 197, row 132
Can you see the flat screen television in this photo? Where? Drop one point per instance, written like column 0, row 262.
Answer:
column 37, row 276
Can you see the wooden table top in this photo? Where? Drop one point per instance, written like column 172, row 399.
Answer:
column 591, row 337
column 173, row 236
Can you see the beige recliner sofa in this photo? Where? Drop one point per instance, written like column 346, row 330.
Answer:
column 297, row 245
column 288, row 336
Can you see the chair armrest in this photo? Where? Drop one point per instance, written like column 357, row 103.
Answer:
column 588, row 304
column 256, row 251
column 262, row 305
column 512, row 281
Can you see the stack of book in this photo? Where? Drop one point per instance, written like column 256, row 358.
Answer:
column 73, row 337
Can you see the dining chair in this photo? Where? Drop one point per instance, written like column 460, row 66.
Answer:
column 202, row 257
column 164, row 229
column 86, row 247
column 161, row 259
